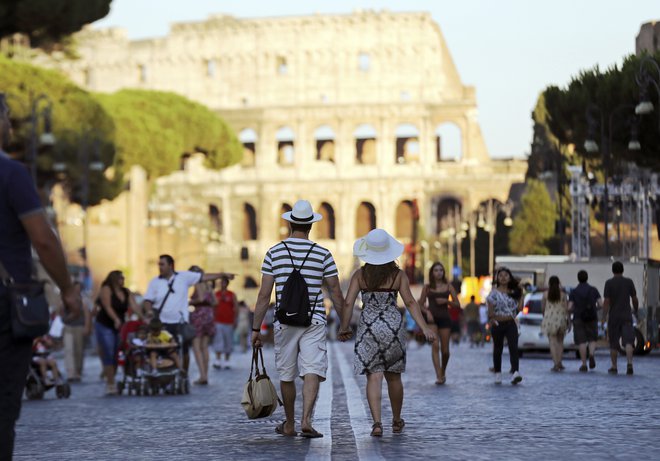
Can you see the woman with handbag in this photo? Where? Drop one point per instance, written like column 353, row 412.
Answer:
column 555, row 322
column 114, row 301
column 203, row 300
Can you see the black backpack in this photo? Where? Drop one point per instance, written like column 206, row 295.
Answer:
column 294, row 306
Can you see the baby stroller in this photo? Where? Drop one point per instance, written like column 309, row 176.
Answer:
column 36, row 387
column 131, row 360
column 166, row 376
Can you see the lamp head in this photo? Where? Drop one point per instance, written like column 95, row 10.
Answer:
column 644, row 107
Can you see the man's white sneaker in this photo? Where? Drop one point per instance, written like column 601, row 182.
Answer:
column 516, row 378
column 498, row 378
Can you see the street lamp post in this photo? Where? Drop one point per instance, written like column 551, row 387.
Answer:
column 645, row 79
column 47, row 138
column 90, row 141
column 591, row 146
column 488, row 221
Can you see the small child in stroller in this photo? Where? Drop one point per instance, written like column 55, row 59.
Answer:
column 42, row 357
column 161, row 343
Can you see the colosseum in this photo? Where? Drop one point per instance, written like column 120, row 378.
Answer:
column 363, row 114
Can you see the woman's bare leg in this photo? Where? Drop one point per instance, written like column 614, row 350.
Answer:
column 395, row 392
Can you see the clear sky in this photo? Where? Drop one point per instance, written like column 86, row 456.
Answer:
column 510, row 50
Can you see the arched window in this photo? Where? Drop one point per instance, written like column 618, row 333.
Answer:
column 285, row 146
column 325, row 143
column 326, row 227
column 283, row 230
column 404, row 220
column 448, row 142
column 249, row 222
column 248, row 138
column 215, row 218
column 365, row 220
column 407, row 143
column 365, row 144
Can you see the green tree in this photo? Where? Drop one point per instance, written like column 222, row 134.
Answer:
column 564, row 116
column 153, row 129
column 75, row 114
column 533, row 226
column 47, row 22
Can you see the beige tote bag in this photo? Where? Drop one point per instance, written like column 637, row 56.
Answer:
column 260, row 398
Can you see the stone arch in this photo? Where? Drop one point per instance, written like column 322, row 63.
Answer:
column 365, row 219
column 325, row 229
column 407, row 143
column 448, row 142
column 446, row 210
column 285, row 138
column 365, row 144
column 248, row 138
column 249, row 222
column 404, row 220
column 324, row 136
column 283, row 228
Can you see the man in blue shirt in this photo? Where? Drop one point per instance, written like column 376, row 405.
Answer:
column 22, row 222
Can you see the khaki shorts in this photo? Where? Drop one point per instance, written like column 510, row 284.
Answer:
column 300, row 351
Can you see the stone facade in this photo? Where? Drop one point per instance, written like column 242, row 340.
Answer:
column 352, row 112
column 648, row 39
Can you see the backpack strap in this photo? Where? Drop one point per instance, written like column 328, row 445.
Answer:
column 304, row 260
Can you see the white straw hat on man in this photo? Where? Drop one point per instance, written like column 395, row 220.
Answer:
column 302, row 213
column 377, row 248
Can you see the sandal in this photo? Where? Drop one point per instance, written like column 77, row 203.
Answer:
column 377, row 430
column 280, row 430
column 398, row 425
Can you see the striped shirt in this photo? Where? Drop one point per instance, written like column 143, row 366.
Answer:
column 319, row 265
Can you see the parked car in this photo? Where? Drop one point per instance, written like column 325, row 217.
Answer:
column 530, row 336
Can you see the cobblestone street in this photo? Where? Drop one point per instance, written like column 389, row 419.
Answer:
column 565, row 415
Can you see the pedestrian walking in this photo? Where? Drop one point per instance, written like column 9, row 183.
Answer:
column 440, row 295
column 243, row 325
column 556, row 321
column 203, row 301
column 23, row 222
column 504, row 303
column 300, row 350
column 226, row 309
column 114, row 301
column 483, row 320
column 583, row 303
column 473, row 324
column 73, row 337
column 167, row 294
column 618, row 293
column 380, row 341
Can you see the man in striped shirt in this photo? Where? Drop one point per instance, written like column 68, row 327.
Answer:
column 299, row 351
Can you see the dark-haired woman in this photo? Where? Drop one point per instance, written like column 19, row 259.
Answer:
column 440, row 295
column 380, row 342
column 114, row 301
column 504, row 303
column 555, row 322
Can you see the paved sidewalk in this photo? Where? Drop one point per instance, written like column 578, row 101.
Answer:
column 549, row 416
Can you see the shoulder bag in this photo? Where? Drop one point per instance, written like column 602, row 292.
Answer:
column 260, row 397
column 29, row 311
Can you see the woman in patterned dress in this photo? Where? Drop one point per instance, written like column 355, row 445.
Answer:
column 203, row 299
column 380, row 343
column 555, row 322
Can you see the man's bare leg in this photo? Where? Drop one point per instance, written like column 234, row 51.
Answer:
column 310, row 392
column 288, row 389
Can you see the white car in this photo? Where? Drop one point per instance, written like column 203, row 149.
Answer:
column 530, row 336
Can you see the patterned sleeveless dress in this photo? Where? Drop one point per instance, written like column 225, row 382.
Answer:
column 555, row 319
column 380, row 343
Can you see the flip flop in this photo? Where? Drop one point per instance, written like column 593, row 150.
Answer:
column 280, row 430
column 310, row 434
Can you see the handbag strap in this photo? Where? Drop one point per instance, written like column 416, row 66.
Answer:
column 254, row 363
